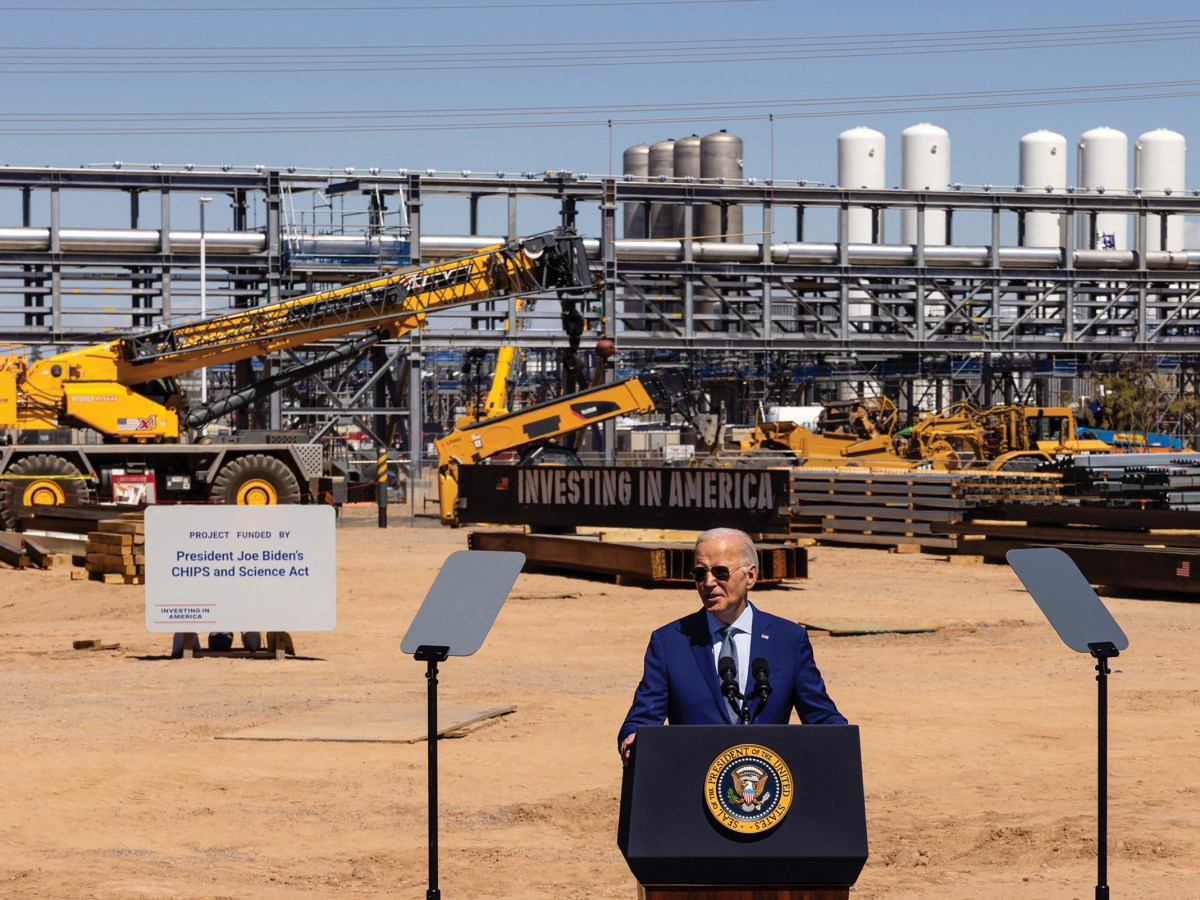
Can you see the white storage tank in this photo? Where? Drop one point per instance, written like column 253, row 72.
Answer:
column 1160, row 169
column 924, row 166
column 721, row 162
column 1043, row 170
column 687, row 165
column 1103, row 166
column 661, row 166
column 635, row 162
column 860, row 156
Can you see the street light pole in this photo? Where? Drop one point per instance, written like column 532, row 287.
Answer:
column 203, row 296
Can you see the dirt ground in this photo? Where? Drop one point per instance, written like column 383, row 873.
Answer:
column 979, row 739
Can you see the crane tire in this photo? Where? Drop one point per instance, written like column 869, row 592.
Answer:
column 255, row 480
column 40, row 479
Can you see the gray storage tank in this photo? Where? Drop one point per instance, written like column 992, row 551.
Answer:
column 635, row 162
column 687, row 165
column 721, row 162
column 662, row 167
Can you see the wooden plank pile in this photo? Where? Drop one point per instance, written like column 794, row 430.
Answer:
column 849, row 506
column 116, row 550
column 76, row 518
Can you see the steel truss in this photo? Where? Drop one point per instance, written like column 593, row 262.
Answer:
column 967, row 317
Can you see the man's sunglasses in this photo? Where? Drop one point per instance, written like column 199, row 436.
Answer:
column 721, row 573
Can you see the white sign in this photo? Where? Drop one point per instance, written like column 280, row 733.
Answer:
column 240, row 568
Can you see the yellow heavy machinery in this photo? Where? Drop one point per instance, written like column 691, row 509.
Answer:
column 496, row 402
column 126, row 391
column 533, row 429
column 851, row 433
column 1006, row 436
column 862, row 433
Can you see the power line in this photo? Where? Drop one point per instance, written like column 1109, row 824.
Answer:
column 372, row 7
column 324, row 59
column 492, row 118
column 1074, row 31
column 1054, row 94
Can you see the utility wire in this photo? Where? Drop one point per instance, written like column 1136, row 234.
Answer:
column 1170, row 26
column 471, row 57
column 372, row 7
column 367, row 121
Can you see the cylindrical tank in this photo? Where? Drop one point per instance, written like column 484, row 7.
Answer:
column 687, row 165
column 1043, row 168
column 721, row 162
column 860, row 160
column 662, row 166
column 1160, row 169
column 1103, row 165
column 924, row 166
column 635, row 162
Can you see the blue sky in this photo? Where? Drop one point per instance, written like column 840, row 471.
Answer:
column 407, row 84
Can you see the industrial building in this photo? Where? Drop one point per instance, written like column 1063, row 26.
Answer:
column 774, row 291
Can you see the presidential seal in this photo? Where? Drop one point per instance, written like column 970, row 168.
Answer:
column 748, row 789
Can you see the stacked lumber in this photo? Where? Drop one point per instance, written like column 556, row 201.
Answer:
column 116, row 550
column 74, row 518
column 858, row 506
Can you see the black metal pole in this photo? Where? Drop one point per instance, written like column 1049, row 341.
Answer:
column 1102, row 652
column 381, row 485
column 432, row 656
column 431, row 675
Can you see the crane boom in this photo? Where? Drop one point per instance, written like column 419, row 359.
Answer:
column 476, row 442
column 125, row 388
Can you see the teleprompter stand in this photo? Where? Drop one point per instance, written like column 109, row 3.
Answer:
column 453, row 620
column 1086, row 626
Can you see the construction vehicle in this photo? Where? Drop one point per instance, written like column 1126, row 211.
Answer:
column 125, row 390
column 1004, row 437
column 531, row 430
column 496, row 402
column 850, row 433
column 861, row 433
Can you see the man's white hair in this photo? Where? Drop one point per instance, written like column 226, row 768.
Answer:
column 739, row 539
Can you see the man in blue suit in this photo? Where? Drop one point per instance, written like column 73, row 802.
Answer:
column 681, row 684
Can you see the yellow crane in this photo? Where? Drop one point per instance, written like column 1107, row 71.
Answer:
column 535, row 426
column 126, row 391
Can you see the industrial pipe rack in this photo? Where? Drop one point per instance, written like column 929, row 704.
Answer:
column 1004, row 318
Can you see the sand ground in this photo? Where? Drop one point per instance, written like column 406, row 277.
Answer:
column 979, row 739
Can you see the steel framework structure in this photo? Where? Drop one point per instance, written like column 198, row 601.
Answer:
column 963, row 314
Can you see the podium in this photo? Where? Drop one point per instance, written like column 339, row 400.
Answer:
column 735, row 812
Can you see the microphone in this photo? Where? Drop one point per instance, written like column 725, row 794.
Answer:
column 762, row 686
column 727, row 669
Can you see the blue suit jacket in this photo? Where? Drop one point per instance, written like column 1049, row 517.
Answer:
column 680, row 683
